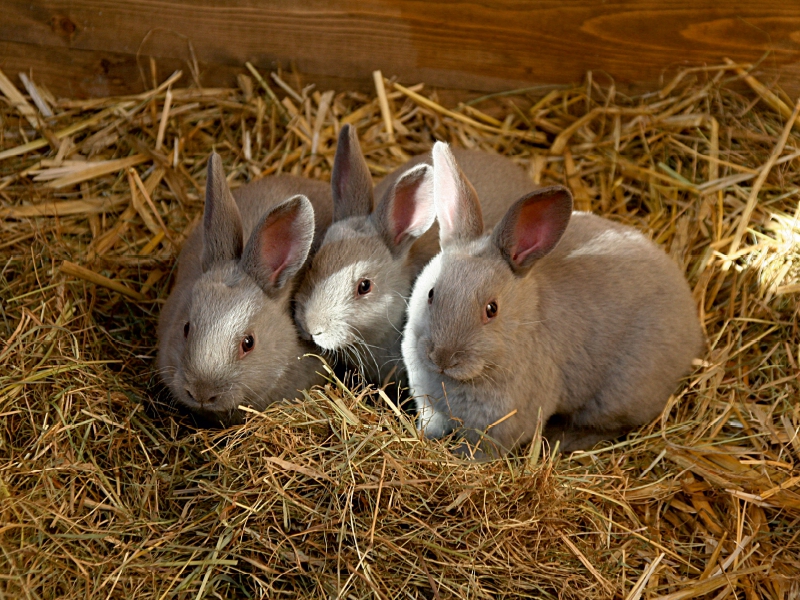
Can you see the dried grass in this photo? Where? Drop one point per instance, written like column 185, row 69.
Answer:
column 107, row 494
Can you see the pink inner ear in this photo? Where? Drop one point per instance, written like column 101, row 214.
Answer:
column 537, row 230
column 402, row 216
column 277, row 245
column 412, row 210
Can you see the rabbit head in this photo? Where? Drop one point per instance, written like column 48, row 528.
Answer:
column 352, row 299
column 233, row 340
column 467, row 309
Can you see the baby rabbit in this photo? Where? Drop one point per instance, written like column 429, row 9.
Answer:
column 565, row 313
column 226, row 334
column 352, row 301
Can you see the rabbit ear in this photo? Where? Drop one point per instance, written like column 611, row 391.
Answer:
column 533, row 226
column 407, row 211
column 351, row 181
column 222, row 223
column 457, row 208
column 279, row 244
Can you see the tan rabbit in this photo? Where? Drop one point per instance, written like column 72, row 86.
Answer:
column 352, row 301
column 565, row 313
column 226, row 333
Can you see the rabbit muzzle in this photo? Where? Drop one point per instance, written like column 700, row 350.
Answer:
column 442, row 358
column 456, row 364
column 203, row 393
column 302, row 327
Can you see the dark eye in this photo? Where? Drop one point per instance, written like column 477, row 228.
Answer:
column 491, row 310
column 186, row 329
column 364, row 287
column 430, row 296
column 247, row 344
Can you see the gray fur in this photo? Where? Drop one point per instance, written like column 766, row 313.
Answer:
column 596, row 333
column 242, row 294
column 222, row 224
column 351, row 182
column 366, row 330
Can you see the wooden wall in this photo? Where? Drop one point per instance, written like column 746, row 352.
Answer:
column 95, row 47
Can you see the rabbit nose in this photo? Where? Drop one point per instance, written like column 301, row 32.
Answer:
column 442, row 357
column 307, row 334
column 308, row 328
column 200, row 397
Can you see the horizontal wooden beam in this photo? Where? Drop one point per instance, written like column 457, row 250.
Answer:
column 96, row 47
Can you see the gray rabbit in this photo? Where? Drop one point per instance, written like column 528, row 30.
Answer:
column 226, row 333
column 352, row 300
column 555, row 312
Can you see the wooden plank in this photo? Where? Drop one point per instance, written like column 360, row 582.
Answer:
column 77, row 73
column 487, row 46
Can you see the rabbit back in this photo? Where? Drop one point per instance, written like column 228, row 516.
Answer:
column 622, row 323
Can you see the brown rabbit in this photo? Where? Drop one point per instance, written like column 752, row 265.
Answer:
column 226, row 333
column 567, row 314
column 353, row 299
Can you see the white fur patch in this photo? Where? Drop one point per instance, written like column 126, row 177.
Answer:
column 220, row 338
column 445, row 188
column 419, row 294
column 433, row 424
column 418, row 322
column 331, row 311
column 610, row 243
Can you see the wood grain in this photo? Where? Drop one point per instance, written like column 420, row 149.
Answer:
column 90, row 47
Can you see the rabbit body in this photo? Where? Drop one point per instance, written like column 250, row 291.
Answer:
column 224, row 293
column 595, row 333
column 385, row 246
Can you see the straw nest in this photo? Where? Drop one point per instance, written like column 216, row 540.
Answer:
column 108, row 493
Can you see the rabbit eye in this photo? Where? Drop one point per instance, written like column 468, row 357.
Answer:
column 491, row 310
column 248, row 343
column 364, row 287
column 430, row 296
column 186, row 329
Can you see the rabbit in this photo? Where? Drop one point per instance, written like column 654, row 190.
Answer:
column 226, row 333
column 554, row 313
column 352, row 301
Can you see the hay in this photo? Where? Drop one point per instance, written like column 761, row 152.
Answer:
column 106, row 493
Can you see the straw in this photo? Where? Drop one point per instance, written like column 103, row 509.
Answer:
column 18, row 101
column 380, row 89
column 108, row 491
column 92, row 277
